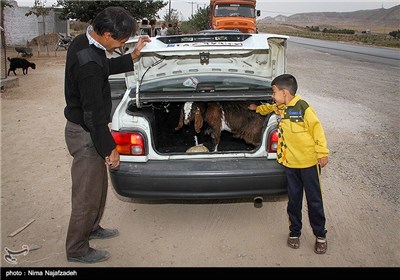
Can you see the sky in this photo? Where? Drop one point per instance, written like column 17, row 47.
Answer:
column 269, row 8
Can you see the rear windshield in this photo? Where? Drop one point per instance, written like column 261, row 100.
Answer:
column 206, row 83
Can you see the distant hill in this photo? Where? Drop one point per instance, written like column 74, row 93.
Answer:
column 388, row 18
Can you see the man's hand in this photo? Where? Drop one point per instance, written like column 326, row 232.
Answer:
column 113, row 159
column 143, row 40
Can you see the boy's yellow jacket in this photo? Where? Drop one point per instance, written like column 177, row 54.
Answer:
column 301, row 136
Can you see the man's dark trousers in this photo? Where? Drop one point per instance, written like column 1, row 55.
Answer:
column 89, row 189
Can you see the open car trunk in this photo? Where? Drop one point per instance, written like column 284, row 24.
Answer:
column 196, row 89
column 204, row 68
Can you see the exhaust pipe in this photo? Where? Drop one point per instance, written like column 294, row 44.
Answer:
column 258, row 201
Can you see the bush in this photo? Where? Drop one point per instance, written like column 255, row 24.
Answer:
column 338, row 31
column 395, row 34
column 313, row 28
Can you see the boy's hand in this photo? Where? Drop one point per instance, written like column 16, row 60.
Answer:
column 252, row 107
column 323, row 161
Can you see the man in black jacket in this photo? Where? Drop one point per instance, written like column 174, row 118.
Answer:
column 87, row 135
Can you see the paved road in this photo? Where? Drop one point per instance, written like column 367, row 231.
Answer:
column 372, row 54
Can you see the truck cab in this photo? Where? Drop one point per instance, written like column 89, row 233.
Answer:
column 234, row 15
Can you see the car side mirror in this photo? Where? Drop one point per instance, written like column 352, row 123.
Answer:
column 258, row 13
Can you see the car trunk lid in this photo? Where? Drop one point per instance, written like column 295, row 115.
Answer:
column 185, row 59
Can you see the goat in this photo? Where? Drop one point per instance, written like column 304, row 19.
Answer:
column 20, row 63
column 234, row 117
column 192, row 112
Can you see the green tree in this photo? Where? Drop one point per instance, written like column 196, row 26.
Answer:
column 6, row 3
column 40, row 9
column 173, row 17
column 199, row 21
column 86, row 11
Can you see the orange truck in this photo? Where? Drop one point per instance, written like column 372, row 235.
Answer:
column 234, row 15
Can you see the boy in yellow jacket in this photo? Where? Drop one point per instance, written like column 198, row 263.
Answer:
column 302, row 150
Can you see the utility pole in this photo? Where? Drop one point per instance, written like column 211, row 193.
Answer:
column 169, row 11
column 192, row 6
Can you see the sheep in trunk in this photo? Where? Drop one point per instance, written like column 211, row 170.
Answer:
column 234, row 117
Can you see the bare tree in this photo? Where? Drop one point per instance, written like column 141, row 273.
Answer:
column 40, row 9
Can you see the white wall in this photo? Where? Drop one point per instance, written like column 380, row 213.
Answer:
column 19, row 28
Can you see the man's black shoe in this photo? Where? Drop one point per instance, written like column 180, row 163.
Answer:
column 103, row 233
column 92, row 256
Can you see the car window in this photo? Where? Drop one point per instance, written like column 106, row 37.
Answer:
column 206, row 83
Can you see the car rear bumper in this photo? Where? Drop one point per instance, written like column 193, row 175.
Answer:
column 199, row 179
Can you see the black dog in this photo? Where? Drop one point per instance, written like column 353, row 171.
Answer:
column 20, row 63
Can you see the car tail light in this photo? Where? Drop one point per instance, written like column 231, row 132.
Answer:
column 273, row 141
column 129, row 143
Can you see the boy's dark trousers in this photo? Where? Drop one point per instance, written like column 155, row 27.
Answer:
column 307, row 179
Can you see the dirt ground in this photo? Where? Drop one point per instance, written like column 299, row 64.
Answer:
column 358, row 104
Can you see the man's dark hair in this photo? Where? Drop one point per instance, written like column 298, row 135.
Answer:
column 286, row 81
column 116, row 20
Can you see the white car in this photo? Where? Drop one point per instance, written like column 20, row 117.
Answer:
column 163, row 154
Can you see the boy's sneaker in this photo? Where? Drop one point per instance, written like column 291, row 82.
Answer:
column 293, row 242
column 92, row 256
column 321, row 245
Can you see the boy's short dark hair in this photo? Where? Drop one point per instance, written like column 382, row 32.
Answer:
column 116, row 20
column 286, row 81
